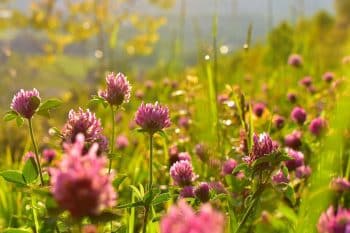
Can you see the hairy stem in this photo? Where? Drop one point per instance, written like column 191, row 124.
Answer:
column 150, row 163
column 150, row 182
column 112, row 139
column 35, row 150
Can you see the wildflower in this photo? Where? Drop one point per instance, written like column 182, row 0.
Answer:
column 80, row 184
column 263, row 145
column 25, row 103
column 295, row 60
column 49, row 155
column 278, row 121
column 340, row 184
column 152, row 118
column 89, row 229
column 293, row 140
column 181, row 218
column 202, row 151
column 312, row 89
column 328, row 77
column 317, row 125
column 228, row 166
column 303, row 172
column 118, row 89
column 298, row 115
column 333, row 221
column 184, row 122
column 184, row 156
column 265, row 217
column 222, row 98
column 122, row 142
column 280, row 177
column 84, row 122
column 173, row 151
column 173, row 155
column 187, row 191
column 306, row 81
column 149, row 84
column 182, row 173
column 202, row 192
column 139, row 94
column 28, row 155
column 296, row 161
column 292, row 97
column 240, row 175
column 258, row 109
column 217, row 186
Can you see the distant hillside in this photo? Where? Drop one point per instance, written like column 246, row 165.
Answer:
column 234, row 16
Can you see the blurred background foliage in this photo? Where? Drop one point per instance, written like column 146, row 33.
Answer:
column 64, row 48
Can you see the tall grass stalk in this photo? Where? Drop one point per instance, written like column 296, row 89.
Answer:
column 211, row 71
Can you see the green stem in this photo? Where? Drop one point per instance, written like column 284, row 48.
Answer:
column 150, row 181
column 256, row 197
column 150, row 163
column 35, row 150
column 145, row 219
column 112, row 139
column 35, row 216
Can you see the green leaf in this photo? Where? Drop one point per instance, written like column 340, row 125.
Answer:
column 156, row 218
column 273, row 158
column 290, row 194
column 117, row 181
column 19, row 121
column 17, row 230
column 13, row 176
column 285, row 171
column 240, row 167
column 137, row 192
column 96, row 100
column 30, row 170
column 11, row 115
column 130, row 205
column 47, row 106
column 161, row 198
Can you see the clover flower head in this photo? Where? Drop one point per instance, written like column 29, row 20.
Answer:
column 118, row 89
column 80, row 183
column 152, row 117
column 25, row 103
